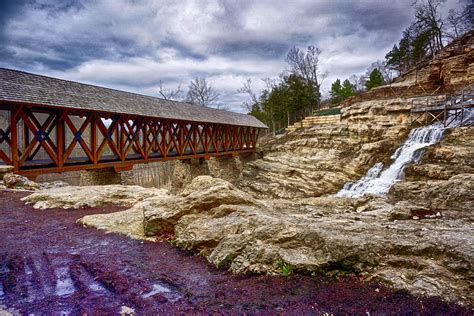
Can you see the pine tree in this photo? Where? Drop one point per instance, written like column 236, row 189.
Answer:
column 336, row 91
column 347, row 90
column 375, row 79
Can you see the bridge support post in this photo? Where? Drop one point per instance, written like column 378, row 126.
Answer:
column 186, row 170
column 226, row 167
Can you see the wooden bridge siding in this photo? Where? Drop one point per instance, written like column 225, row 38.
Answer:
column 131, row 139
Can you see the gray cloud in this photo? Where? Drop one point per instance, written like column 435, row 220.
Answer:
column 132, row 45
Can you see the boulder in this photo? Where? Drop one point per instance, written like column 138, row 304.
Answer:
column 4, row 170
column 202, row 195
column 93, row 196
column 453, row 197
column 405, row 210
column 15, row 181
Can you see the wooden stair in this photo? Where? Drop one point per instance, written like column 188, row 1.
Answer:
column 310, row 121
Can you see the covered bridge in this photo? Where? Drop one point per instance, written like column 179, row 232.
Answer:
column 53, row 125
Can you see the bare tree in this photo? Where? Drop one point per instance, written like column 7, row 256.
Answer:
column 358, row 82
column 306, row 64
column 457, row 23
column 170, row 94
column 428, row 19
column 270, row 83
column 387, row 73
column 201, row 92
column 247, row 89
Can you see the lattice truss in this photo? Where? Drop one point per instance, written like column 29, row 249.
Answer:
column 36, row 139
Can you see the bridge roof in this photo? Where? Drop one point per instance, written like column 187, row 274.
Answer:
column 19, row 86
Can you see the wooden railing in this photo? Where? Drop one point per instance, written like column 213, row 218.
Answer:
column 445, row 109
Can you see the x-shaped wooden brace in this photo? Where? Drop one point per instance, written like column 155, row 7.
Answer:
column 172, row 129
column 199, row 131
column 213, row 137
column 235, row 137
column 5, row 137
column 189, row 137
column 151, row 131
column 77, row 136
column 108, row 136
column 205, row 137
column 131, row 133
column 41, row 132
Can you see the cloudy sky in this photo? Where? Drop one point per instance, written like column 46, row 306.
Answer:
column 132, row 45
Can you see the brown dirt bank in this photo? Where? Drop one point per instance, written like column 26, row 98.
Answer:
column 49, row 264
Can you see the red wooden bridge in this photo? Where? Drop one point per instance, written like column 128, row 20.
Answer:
column 49, row 125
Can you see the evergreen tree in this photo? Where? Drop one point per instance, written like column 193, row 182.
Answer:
column 375, row 79
column 336, row 91
column 341, row 92
column 287, row 101
column 394, row 59
column 347, row 90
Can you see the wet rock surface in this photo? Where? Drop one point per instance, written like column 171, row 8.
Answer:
column 50, row 265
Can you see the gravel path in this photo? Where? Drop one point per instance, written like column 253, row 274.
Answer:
column 50, row 265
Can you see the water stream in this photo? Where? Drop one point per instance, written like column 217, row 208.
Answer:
column 379, row 182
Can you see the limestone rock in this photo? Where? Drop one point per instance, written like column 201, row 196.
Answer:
column 201, row 195
column 128, row 222
column 405, row 210
column 325, row 234
column 316, row 161
column 454, row 197
column 52, row 185
column 4, row 170
column 93, row 196
column 15, row 181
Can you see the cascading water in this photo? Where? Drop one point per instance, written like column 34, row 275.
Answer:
column 379, row 182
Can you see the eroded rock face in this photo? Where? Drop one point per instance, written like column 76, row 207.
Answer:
column 318, row 161
column 443, row 181
column 453, row 197
column 427, row 255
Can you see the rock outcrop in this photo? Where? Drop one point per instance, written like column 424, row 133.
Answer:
column 319, row 160
column 93, row 196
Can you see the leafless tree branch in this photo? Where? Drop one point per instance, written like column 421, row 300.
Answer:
column 201, row 92
column 170, row 94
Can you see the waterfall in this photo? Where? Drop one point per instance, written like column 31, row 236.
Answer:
column 379, row 182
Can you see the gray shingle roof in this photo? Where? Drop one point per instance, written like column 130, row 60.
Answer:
column 31, row 88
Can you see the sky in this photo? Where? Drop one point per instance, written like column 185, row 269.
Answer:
column 133, row 45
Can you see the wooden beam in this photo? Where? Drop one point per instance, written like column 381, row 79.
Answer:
column 14, row 138
column 38, row 171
